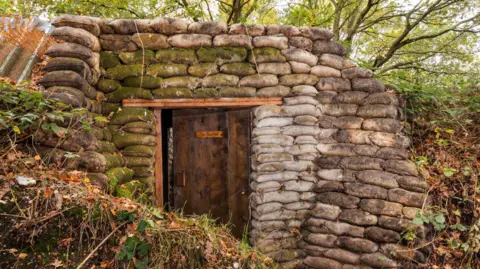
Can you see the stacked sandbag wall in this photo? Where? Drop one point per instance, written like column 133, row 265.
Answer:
column 72, row 72
column 332, row 186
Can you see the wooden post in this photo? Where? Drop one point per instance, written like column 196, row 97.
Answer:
column 158, row 158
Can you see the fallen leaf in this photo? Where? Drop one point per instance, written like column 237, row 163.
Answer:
column 22, row 255
column 57, row 263
column 36, row 158
column 47, row 192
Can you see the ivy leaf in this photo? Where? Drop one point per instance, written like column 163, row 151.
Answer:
column 125, row 216
column 458, row 227
column 157, row 214
column 440, row 218
column 143, row 249
column 141, row 264
column 448, row 172
column 142, row 226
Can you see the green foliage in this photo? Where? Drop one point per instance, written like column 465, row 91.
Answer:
column 24, row 112
column 437, row 219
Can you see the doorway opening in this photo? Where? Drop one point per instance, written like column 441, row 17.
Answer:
column 206, row 163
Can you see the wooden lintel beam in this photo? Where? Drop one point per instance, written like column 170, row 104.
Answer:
column 202, row 103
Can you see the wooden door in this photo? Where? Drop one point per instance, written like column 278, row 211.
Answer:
column 211, row 164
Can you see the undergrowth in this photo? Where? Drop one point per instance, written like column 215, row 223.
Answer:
column 444, row 122
column 65, row 222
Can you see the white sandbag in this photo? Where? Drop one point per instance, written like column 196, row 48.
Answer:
column 304, row 109
column 298, row 100
column 298, row 166
column 280, row 177
column 267, row 148
column 265, row 131
column 299, row 186
column 283, row 140
column 266, row 111
column 296, row 130
column 273, row 122
column 305, row 139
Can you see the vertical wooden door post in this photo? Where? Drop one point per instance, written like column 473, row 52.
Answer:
column 158, row 158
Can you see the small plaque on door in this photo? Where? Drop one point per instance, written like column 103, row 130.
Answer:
column 209, row 134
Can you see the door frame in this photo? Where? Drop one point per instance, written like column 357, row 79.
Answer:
column 159, row 104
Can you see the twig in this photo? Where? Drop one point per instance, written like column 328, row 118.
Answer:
column 99, row 245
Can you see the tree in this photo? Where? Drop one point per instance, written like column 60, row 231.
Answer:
column 389, row 35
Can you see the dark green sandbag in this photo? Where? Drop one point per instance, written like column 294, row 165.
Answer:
column 123, row 140
column 130, row 114
column 118, row 175
column 139, row 161
column 139, row 151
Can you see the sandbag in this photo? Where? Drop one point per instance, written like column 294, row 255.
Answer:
column 72, row 64
column 139, row 161
column 118, row 175
column 68, row 79
column 74, row 21
column 124, row 140
column 139, row 151
column 77, row 36
column 128, row 93
column 117, row 43
column 72, row 50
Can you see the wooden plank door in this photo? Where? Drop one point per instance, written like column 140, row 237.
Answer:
column 211, row 164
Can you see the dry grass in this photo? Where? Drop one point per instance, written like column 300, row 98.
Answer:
column 64, row 217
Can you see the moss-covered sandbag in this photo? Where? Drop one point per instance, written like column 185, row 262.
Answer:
column 131, row 114
column 206, row 93
column 108, row 60
column 181, row 82
column 237, row 92
column 176, row 55
column 107, row 134
column 130, row 190
column 139, row 127
column 128, row 93
column 144, row 57
column 143, row 171
column 105, row 146
column 167, row 70
column 123, row 140
column 239, row 69
column 222, row 54
column 108, row 85
column 118, row 175
column 139, row 151
column 265, row 55
column 143, row 82
column 203, row 69
column 114, row 128
column 121, row 72
column 149, row 182
column 98, row 133
column 172, row 93
column 113, row 160
column 108, row 108
column 139, row 161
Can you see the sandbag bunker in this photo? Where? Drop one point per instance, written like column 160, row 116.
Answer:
column 331, row 183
